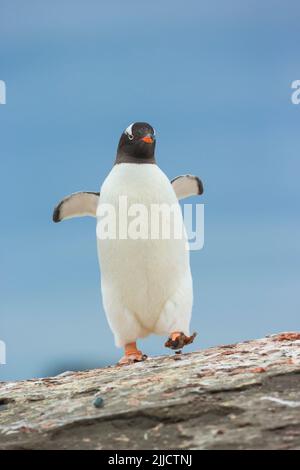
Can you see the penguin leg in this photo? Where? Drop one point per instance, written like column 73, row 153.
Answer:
column 174, row 320
column 132, row 355
column 178, row 340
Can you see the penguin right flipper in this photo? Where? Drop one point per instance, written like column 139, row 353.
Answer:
column 76, row 205
column 187, row 185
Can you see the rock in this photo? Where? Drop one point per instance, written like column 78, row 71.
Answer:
column 98, row 402
column 240, row 396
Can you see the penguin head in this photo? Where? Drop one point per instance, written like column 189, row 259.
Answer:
column 137, row 144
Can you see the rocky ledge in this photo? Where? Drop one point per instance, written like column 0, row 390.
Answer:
column 236, row 396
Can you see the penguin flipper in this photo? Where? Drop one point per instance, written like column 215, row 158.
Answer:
column 76, row 205
column 187, row 185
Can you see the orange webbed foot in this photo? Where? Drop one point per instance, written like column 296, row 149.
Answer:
column 132, row 355
column 178, row 340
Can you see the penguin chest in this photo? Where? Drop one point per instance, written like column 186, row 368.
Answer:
column 140, row 264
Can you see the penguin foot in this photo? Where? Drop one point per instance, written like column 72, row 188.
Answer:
column 178, row 340
column 132, row 355
column 127, row 359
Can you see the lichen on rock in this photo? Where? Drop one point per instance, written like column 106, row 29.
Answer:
column 239, row 396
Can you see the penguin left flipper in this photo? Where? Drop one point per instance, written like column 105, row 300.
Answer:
column 76, row 205
column 187, row 185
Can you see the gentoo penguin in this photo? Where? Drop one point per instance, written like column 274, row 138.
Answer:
column 146, row 281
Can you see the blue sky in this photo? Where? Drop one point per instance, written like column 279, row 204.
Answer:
column 214, row 79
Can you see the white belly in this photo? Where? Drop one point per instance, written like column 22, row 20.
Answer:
column 141, row 279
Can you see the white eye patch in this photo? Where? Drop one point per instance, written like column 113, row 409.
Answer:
column 128, row 131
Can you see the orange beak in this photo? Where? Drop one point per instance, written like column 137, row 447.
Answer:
column 147, row 139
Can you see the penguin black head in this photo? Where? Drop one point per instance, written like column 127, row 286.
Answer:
column 137, row 144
